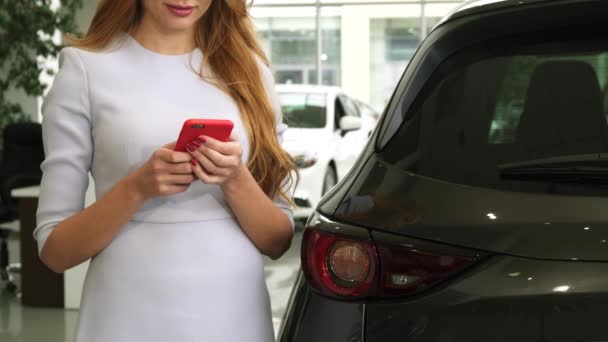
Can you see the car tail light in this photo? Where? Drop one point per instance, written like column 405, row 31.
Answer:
column 339, row 266
column 407, row 270
column 344, row 267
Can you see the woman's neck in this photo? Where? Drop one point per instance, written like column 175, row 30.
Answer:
column 164, row 42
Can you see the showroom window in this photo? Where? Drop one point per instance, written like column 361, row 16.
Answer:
column 365, row 44
column 393, row 43
column 290, row 44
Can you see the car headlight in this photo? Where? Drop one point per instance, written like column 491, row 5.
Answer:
column 303, row 161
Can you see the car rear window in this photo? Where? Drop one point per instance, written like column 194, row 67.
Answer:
column 303, row 110
column 510, row 108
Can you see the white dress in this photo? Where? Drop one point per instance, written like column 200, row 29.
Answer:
column 181, row 269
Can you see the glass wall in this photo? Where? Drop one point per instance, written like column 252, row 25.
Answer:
column 291, row 45
column 365, row 44
column 393, row 42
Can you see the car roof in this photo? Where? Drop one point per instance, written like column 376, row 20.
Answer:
column 307, row 88
column 472, row 7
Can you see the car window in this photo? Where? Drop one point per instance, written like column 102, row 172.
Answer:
column 511, row 108
column 339, row 112
column 516, row 86
column 350, row 107
column 303, row 110
column 366, row 110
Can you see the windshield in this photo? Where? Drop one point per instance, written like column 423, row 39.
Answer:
column 303, row 110
column 481, row 119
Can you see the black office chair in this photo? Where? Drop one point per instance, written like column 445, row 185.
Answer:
column 23, row 153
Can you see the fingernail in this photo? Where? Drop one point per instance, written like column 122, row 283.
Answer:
column 201, row 140
column 193, row 162
column 196, row 143
column 189, row 148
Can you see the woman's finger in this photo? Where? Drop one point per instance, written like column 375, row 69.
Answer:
column 209, row 166
column 170, row 145
column 229, row 148
column 179, row 168
column 233, row 136
column 219, row 159
column 171, row 156
column 174, row 189
column 206, row 177
column 178, row 179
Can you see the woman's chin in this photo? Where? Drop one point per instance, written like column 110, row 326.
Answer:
column 179, row 25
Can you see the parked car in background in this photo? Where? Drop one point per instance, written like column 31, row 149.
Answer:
column 367, row 111
column 326, row 133
column 477, row 212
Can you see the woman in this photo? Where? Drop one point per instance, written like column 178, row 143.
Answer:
column 176, row 238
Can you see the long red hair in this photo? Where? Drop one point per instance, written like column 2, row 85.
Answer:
column 226, row 36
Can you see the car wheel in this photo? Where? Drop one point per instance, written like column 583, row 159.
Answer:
column 329, row 180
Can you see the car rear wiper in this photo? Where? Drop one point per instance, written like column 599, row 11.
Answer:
column 571, row 168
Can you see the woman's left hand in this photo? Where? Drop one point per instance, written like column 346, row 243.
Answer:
column 216, row 162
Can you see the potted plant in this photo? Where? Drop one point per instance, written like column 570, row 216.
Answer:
column 26, row 35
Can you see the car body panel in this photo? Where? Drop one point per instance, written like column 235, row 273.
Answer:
column 503, row 299
column 338, row 321
column 543, row 226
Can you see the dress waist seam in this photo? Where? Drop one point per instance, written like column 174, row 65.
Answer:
column 227, row 218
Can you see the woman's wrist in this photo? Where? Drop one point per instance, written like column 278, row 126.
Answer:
column 236, row 182
column 130, row 187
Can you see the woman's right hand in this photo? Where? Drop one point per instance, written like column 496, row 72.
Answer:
column 167, row 172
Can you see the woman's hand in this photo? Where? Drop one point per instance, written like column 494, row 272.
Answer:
column 167, row 172
column 218, row 162
column 266, row 225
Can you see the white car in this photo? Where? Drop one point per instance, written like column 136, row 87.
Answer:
column 327, row 131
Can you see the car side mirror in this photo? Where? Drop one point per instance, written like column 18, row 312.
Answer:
column 350, row 123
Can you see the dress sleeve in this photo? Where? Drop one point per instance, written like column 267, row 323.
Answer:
column 268, row 80
column 68, row 146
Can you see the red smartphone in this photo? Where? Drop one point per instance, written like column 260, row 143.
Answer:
column 193, row 128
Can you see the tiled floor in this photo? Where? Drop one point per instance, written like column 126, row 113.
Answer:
column 26, row 324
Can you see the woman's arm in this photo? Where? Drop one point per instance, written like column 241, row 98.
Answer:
column 68, row 234
column 268, row 226
column 81, row 236
column 270, row 229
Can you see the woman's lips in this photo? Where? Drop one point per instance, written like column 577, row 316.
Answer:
column 180, row 11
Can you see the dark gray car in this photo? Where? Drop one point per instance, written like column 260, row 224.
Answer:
column 479, row 209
